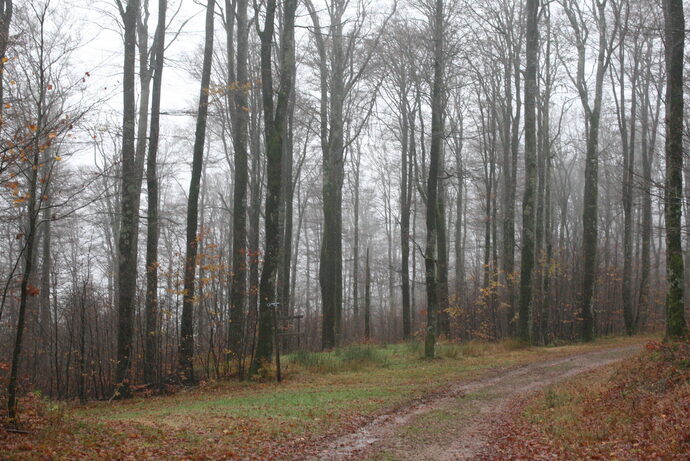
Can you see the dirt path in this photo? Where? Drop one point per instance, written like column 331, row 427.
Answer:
column 453, row 425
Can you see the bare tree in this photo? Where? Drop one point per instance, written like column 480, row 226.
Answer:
column 528, row 201
column 437, row 21
column 6, row 8
column 674, row 21
column 275, row 120
column 186, row 350
column 592, row 109
column 129, row 212
column 238, row 87
column 340, row 70
column 151, row 344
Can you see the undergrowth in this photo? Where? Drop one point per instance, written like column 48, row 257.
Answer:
column 350, row 358
column 356, row 357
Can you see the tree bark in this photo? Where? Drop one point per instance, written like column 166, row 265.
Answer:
column 435, row 154
column 367, row 300
column 528, row 217
column 238, row 86
column 674, row 22
column 442, row 267
column 151, row 344
column 6, row 9
column 356, row 160
column 647, row 154
column 274, row 130
column 186, row 347
column 406, row 189
column 592, row 118
column 332, row 144
column 127, row 244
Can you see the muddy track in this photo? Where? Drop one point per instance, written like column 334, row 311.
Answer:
column 453, row 425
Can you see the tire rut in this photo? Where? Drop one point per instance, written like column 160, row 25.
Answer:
column 453, row 425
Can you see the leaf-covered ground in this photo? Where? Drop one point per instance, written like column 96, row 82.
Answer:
column 636, row 410
column 323, row 395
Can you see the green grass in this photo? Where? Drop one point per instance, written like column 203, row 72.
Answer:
column 351, row 358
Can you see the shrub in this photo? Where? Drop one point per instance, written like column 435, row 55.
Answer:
column 357, row 356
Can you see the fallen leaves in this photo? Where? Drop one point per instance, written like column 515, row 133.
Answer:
column 232, row 420
column 637, row 410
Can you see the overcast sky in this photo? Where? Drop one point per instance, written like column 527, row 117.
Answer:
column 101, row 54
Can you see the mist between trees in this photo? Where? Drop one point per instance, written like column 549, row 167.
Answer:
column 367, row 171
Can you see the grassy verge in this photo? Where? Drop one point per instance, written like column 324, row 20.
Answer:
column 323, row 395
column 639, row 409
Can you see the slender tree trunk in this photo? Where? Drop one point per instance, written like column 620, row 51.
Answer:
column 547, row 248
column 330, row 267
column 287, row 206
column 186, row 347
column 528, row 219
column 151, row 344
column 628, row 145
column 510, row 154
column 34, row 200
column 249, row 335
column 127, row 245
column 538, row 275
column 33, row 209
column 367, row 300
column 590, row 215
column 357, row 156
column 5, row 21
column 274, row 129
column 405, row 210
column 46, row 264
column 81, row 381
column 442, row 267
column 435, row 155
column 238, row 85
column 674, row 21
column 646, row 192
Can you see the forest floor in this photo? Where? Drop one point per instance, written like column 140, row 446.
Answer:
column 457, row 424
column 638, row 409
column 361, row 402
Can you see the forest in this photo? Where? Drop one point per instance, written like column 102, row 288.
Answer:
column 193, row 190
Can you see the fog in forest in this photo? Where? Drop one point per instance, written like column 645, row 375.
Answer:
column 188, row 186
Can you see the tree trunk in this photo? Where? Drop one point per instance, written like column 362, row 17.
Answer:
column 592, row 113
column 442, row 268
column 405, row 210
column 356, row 160
column 186, row 348
column 33, row 209
column 5, row 21
column 628, row 147
column 238, row 85
column 287, row 207
column 674, row 22
column 528, row 217
column 647, row 152
column 367, row 300
column 127, row 244
column 274, row 130
column 330, row 267
column 435, row 155
column 151, row 344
